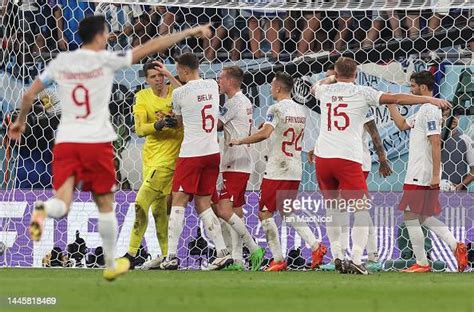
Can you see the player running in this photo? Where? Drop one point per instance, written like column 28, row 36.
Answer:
column 285, row 120
column 196, row 105
column 83, row 153
column 154, row 120
column 420, row 201
column 236, row 120
column 339, row 148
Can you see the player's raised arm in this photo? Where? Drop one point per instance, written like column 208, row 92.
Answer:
column 398, row 119
column 19, row 126
column 162, row 43
column 409, row 99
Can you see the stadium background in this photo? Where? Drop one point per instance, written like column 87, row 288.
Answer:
column 25, row 172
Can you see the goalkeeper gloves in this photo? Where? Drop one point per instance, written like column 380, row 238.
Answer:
column 167, row 121
column 171, row 122
column 160, row 124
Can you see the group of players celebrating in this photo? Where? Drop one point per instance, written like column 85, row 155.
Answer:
column 182, row 159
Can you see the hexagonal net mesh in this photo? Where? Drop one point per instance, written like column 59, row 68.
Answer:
column 390, row 40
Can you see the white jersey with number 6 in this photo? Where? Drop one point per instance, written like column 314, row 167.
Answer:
column 284, row 160
column 198, row 104
column 85, row 78
column 236, row 115
column 344, row 108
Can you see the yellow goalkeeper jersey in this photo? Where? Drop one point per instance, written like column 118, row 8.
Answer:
column 160, row 148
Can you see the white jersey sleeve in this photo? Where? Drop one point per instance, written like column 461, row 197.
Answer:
column 273, row 116
column 372, row 96
column 470, row 149
column 117, row 60
column 49, row 74
column 432, row 121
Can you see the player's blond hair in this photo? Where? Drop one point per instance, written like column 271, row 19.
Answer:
column 345, row 67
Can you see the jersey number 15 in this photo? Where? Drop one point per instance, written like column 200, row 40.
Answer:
column 340, row 120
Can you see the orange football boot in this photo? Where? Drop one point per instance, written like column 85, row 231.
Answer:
column 416, row 268
column 276, row 266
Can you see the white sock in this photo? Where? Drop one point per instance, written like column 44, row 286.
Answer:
column 214, row 231
column 108, row 232
column 271, row 233
column 303, row 231
column 55, row 208
column 442, row 231
column 360, row 235
column 238, row 225
column 345, row 222
column 372, row 243
column 237, row 246
column 226, row 233
column 333, row 230
column 417, row 240
column 175, row 228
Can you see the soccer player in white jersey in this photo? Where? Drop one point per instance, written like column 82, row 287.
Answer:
column 83, row 153
column 420, row 201
column 339, row 148
column 285, row 123
column 196, row 106
column 236, row 120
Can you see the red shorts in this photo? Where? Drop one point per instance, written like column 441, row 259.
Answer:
column 366, row 175
column 421, row 200
column 92, row 165
column 271, row 189
column 235, row 185
column 340, row 177
column 196, row 175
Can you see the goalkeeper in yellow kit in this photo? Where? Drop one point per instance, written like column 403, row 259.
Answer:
column 154, row 120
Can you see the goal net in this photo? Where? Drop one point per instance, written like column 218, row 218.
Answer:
column 389, row 39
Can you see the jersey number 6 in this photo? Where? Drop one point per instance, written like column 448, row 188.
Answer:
column 207, row 126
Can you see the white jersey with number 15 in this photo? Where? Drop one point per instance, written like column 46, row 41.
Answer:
column 344, row 108
column 198, row 104
column 85, row 79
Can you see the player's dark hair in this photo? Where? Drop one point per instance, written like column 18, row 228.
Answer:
column 90, row 27
column 345, row 67
column 330, row 67
column 235, row 72
column 424, row 78
column 285, row 79
column 148, row 66
column 189, row 60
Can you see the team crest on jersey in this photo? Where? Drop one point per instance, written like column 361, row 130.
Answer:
column 270, row 117
column 223, row 110
column 431, row 125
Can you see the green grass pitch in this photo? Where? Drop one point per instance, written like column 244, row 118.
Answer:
column 85, row 290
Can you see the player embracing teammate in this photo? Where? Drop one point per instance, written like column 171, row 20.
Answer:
column 339, row 148
column 83, row 152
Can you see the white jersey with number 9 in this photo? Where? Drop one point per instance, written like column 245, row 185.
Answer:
column 85, row 78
